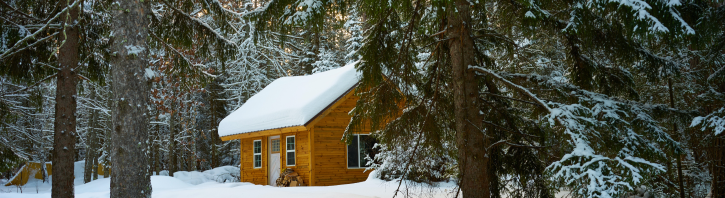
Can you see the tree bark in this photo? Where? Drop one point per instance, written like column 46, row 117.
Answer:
column 64, row 137
column 95, row 168
column 471, row 143
column 157, row 154
column 214, row 134
column 678, row 156
column 91, row 142
column 172, row 144
column 153, row 155
column 129, row 143
column 717, row 155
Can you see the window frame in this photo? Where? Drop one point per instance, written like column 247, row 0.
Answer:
column 287, row 151
column 255, row 154
column 272, row 146
column 347, row 160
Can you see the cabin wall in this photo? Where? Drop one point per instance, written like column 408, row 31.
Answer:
column 302, row 154
column 247, row 171
column 330, row 153
column 259, row 175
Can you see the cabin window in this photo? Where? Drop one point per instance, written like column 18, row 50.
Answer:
column 290, row 150
column 357, row 151
column 257, row 153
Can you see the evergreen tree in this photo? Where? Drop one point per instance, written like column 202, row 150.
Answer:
column 33, row 31
column 130, row 58
column 542, row 72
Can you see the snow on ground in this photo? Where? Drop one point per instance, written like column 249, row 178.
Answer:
column 218, row 183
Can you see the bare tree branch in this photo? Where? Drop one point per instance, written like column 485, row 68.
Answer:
column 18, row 11
column 201, row 23
column 512, row 85
column 47, row 24
column 510, row 98
column 31, row 86
column 172, row 49
column 5, row 55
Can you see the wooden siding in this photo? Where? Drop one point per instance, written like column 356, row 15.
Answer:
column 259, row 175
column 330, row 153
column 302, row 154
column 248, row 172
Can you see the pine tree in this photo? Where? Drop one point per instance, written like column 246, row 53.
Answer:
column 581, row 87
column 130, row 135
column 58, row 25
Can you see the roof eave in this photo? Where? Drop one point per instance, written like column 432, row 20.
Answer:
column 267, row 132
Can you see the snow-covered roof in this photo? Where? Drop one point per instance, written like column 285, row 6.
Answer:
column 290, row 101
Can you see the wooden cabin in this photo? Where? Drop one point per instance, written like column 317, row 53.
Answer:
column 298, row 123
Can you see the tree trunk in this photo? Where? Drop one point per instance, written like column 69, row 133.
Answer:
column 64, row 137
column 91, row 142
column 106, row 174
column 172, row 144
column 717, row 165
column 157, row 155
column 130, row 133
column 107, row 137
column 678, row 156
column 192, row 157
column 471, row 143
column 95, row 167
column 88, row 168
column 214, row 134
column 153, row 155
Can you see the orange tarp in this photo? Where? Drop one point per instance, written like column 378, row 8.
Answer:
column 30, row 168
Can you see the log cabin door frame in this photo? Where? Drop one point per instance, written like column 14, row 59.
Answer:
column 275, row 161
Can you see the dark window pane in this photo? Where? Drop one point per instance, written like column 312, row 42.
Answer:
column 366, row 149
column 290, row 158
column 257, row 146
column 352, row 153
column 290, row 143
column 258, row 161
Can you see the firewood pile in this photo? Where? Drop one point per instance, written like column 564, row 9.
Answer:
column 289, row 178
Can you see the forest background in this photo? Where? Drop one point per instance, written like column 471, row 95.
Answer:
column 521, row 98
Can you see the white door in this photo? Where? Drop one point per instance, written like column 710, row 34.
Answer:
column 274, row 161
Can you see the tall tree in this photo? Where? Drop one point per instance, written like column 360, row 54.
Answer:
column 128, row 65
column 63, row 21
column 471, row 142
column 45, row 34
column 65, row 105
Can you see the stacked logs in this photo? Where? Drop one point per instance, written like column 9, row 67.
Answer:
column 289, row 178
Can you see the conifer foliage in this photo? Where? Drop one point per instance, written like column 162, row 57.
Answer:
column 506, row 98
column 547, row 92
